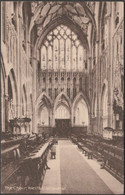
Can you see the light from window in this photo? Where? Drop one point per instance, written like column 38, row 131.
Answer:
column 62, row 50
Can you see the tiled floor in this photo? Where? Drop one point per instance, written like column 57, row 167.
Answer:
column 72, row 173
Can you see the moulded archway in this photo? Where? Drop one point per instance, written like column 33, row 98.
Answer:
column 43, row 116
column 80, row 111
column 41, row 97
column 3, row 96
column 13, row 100
column 63, row 98
column 47, row 22
column 43, row 110
column 62, row 112
column 62, row 104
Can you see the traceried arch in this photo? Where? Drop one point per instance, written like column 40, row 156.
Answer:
column 62, row 98
column 43, row 116
column 62, row 112
column 81, row 113
column 12, row 92
column 44, row 110
column 62, row 50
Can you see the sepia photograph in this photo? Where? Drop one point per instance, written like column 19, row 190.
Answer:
column 62, row 97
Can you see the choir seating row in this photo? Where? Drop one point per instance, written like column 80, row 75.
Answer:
column 24, row 165
column 110, row 156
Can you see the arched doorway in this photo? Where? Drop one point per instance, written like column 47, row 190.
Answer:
column 43, row 113
column 62, row 116
column 12, row 100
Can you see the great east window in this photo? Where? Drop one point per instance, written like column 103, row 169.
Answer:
column 62, row 50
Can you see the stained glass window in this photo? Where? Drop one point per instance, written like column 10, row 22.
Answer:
column 62, row 50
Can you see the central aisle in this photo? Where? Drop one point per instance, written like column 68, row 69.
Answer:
column 76, row 175
column 72, row 173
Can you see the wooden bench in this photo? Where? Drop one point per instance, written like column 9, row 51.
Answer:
column 32, row 167
column 87, row 152
column 36, row 164
column 74, row 139
column 113, row 160
column 80, row 145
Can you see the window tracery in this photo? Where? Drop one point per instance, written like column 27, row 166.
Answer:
column 62, row 50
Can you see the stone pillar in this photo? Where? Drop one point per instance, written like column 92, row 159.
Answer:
column 71, row 114
column 2, row 103
column 6, row 112
column 53, row 118
column 34, row 78
column 19, row 63
column 101, row 121
column 100, row 115
column 6, row 104
column 90, row 93
column 71, row 85
column 109, row 69
column 89, row 130
column 97, row 84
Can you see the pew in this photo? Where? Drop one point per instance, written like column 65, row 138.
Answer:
column 110, row 153
column 113, row 160
column 87, row 152
column 86, row 147
column 34, row 166
column 12, row 171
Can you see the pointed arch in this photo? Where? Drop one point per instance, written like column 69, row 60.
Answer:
column 81, row 95
column 40, row 5
column 3, row 103
column 58, row 21
column 44, row 110
column 62, row 112
column 13, row 84
column 60, row 97
column 80, row 111
column 45, row 96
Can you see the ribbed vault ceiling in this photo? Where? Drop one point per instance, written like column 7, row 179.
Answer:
column 46, row 12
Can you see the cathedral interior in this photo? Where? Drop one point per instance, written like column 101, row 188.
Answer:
column 62, row 84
